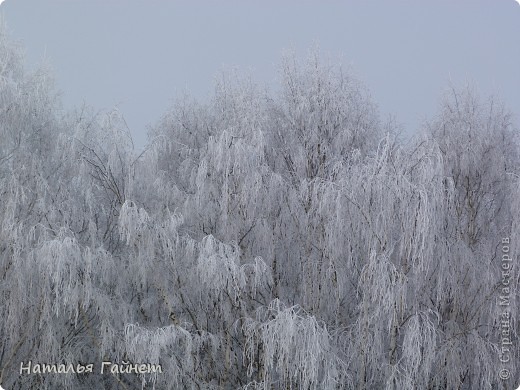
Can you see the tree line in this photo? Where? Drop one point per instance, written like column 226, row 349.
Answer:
column 262, row 240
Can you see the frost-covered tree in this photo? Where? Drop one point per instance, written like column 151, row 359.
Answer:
column 479, row 146
column 263, row 240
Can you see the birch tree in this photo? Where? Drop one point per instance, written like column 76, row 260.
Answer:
column 263, row 240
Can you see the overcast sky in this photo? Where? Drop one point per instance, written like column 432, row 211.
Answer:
column 140, row 55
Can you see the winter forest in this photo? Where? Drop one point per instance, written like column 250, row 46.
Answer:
column 285, row 239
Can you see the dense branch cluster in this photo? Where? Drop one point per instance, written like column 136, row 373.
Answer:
column 286, row 240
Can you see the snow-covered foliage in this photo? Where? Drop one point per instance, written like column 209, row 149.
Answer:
column 285, row 240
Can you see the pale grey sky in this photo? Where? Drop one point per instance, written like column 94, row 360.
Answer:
column 140, row 55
